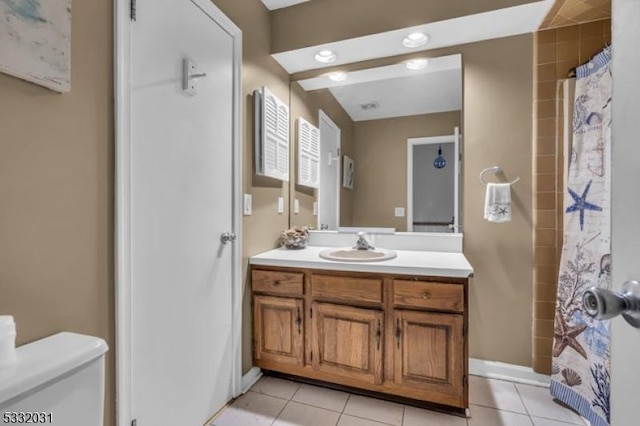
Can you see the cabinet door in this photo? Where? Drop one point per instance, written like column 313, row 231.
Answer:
column 429, row 355
column 348, row 342
column 278, row 329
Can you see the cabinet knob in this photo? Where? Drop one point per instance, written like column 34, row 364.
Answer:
column 276, row 283
column 426, row 295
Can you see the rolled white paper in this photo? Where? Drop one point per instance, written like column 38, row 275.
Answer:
column 7, row 340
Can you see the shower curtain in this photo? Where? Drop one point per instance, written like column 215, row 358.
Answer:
column 581, row 345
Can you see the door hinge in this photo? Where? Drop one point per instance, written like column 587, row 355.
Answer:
column 464, row 330
column 311, row 313
column 134, row 422
column 465, row 380
column 311, row 355
column 134, row 9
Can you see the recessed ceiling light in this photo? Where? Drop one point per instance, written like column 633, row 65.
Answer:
column 417, row 64
column 416, row 39
column 326, row 56
column 338, row 76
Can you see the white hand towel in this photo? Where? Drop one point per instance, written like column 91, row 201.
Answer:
column 497, row 203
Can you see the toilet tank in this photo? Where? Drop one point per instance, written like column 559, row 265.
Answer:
column 60, row 378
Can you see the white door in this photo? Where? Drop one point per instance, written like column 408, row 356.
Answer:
column 182, row 156
column 625, row 208
column 329, row 189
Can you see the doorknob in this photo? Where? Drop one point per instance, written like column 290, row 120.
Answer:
column 227, row 237
column 603, row 304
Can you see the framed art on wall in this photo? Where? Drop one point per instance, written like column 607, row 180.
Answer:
column 348, row 171
column 35, row 41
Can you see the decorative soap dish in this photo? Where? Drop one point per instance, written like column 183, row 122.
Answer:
column 295, row 238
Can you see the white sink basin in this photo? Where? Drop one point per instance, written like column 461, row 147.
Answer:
column 349, row 254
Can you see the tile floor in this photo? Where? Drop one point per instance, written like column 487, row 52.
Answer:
column 278, row 402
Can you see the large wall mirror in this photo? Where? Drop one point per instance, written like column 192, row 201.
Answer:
column 389, row 154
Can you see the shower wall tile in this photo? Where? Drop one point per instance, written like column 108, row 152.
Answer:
column 546, row 90
column 546, row 219
column 545, row 164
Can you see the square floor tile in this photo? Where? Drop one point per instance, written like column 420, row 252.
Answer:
column 295, row 414
column 538, row 421
column 273, row 386
column 495, row 394
column 539, row 403
column 483, row 416
column 251, row 409
column 375, row 409
column 419, row 417
column 347, row 420
column 321, row 397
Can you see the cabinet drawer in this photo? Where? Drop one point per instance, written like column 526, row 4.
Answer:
column 275, row 282
column 349, row 289
column 420, row 294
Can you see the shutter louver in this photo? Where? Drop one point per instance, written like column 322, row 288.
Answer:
column 272, row 135
column 308, row 154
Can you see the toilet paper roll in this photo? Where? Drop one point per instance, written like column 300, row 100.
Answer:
column 7, row 341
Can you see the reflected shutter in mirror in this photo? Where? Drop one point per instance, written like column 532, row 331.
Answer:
column 308, row 154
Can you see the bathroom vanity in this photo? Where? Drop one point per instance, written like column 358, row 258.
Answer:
column 397, row 328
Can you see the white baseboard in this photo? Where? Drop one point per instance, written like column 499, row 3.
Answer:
column 250, row 378
column 508, row 372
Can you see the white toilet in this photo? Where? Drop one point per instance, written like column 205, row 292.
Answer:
column 61, row 376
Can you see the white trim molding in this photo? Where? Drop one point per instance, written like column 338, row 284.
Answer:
column 250, row 378
column 122, row 84
column 509, row 372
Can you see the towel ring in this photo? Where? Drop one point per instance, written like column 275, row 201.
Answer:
column 494, row 169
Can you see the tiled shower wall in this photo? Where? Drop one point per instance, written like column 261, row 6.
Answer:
column 557, row 51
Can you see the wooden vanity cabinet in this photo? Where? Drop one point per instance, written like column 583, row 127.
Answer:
column 278, row 317
column 348, row 341
column 392, row 334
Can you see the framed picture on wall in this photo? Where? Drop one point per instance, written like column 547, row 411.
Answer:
column 348, row 171
column 35, row 41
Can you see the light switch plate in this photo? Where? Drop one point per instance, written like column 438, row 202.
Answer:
column 399, row 211
column 280, row 205
column 296, row 206
column 247, row 205
column 315, row 208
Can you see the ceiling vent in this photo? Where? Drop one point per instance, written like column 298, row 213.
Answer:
column 370, row 105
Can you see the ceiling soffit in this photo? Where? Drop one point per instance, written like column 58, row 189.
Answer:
column 316, row 22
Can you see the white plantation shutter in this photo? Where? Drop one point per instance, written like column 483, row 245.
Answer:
column 308, row 154
column 272, row 135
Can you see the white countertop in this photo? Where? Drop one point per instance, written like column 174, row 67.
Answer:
column 408, row 262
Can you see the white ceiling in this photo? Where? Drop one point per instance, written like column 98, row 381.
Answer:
column 403, row 96
column 467, row 29
column 397, row 91
column 279, row 4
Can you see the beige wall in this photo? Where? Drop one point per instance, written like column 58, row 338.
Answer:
column 317, row 22
column 380, row 157
column 498, row 98
column 57, row 191
column 307, row 104
column 262, row 229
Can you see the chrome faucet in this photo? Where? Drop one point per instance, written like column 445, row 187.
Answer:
column 362, row 243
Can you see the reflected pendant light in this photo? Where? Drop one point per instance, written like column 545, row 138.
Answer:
column 439, row 162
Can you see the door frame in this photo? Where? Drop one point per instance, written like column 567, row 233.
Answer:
column 122, row 89
column 324, row 117
column 411, row 144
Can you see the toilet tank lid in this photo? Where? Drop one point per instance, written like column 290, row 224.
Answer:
column 44, row 360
